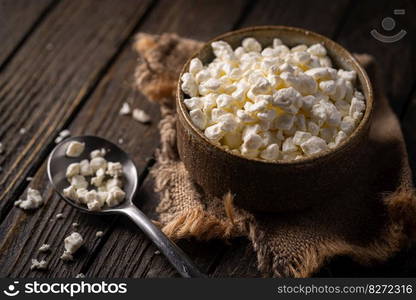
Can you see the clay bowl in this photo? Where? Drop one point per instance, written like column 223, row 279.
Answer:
column 273, row 186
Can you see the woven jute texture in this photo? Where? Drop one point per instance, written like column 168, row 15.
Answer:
column 370, row 219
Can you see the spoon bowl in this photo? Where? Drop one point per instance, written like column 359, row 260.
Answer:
column 58, row 162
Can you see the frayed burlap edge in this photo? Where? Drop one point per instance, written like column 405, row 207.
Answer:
column 202, row 225
column 401, row 206
column 196, row 222
column 159, row 86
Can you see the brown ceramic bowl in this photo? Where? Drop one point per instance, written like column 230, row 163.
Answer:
column 273, row 186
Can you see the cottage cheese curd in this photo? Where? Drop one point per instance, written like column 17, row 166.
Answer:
column 95, row 182
column 62, row 135
column 45, row 248
column 274, row 103
column 75, row 149
column 33, row 200
column 39, row 265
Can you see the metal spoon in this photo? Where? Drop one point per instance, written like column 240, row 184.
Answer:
column 57, row 164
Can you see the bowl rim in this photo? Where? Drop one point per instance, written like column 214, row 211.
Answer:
column 347, row 143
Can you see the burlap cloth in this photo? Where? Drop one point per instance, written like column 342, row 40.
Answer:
column 371, row 219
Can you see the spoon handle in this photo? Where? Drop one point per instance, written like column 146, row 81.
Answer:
column 179, row 260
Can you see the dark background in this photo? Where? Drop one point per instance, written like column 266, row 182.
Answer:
column 70, row 64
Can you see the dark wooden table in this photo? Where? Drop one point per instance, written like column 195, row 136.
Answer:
column 70, row 64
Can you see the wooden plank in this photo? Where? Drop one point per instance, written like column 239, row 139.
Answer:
column 320, row 16
column 239, row 259
column 236, row 260
column 123, row 244
column 213, row 19
column 396, row 59
column 123, row 252
column 18, row 19
column 22, row 233
column 69, row 17
column 49, row 78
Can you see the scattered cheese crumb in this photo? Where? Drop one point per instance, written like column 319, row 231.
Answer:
column 38, row 265
column 29, row 178
column 33, row 200
column 72, row 243
column 98, row 163
column 80, row 275
column 62, row 135
column 125, row 109
column 59, row 216
column 120, row 141
column 78, row 182
column 140, row 116
column 22, row 131
column 157, row 252
column 45, row 248
column 115, row 196
column 75, row 149
column 99, row 234
column 85, row 168
column 75, row 225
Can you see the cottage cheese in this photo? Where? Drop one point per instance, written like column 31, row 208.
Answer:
column 45, row 248
column 95, row 182
column 141, row 116
column 274, row 103
column 125, row 109
column 39, row 265
column 75, row 149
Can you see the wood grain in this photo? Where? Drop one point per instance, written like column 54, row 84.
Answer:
column 50, row 77
column 18, row 19
column 236, row 262
column 409, row 132
column 126, row 246
column 74, row 70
